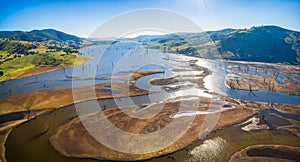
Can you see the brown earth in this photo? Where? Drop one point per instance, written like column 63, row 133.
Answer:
column 73, row 140
column 33, row 71
column 262, row 153
column 39, row 100
column 135, row 75
column 3, row 136
column 254, row 82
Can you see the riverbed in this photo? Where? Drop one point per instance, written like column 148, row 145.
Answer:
column 113, row 61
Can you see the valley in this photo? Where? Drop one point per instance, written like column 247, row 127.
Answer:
column 96, row 104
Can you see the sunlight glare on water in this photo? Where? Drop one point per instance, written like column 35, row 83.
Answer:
column 210, row 150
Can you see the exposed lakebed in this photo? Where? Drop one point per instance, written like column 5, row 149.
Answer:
column 34, row 135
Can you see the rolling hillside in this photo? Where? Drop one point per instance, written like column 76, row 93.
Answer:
column 262, row 44
column 40, row 36
column 21, row 51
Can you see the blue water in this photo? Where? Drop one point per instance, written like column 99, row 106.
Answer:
column 108, row 60
column 109, row 91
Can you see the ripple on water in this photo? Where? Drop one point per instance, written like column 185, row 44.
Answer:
column 210, row 150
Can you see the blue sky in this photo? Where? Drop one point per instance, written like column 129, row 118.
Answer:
column 82, row 17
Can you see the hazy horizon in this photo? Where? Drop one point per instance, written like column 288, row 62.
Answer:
column 81, row 18
column 134, row 35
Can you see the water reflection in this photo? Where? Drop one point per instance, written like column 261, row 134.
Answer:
column 112, row 59
column 210, row 150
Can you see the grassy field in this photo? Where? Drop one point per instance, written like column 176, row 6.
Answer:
column 5, row 56
column 20, row 64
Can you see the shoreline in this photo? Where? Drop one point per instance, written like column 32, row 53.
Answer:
column 135, row 92
column 267, row 152
column 35, row 70
column 36, row 100
column 184, row 141
column 255, row 105
column 32, row 72
column 261, row 63
column 228, row 117
column 7, row 127
column 240, row 114
column 41, row 99
column 256, row 83
column 3, row 136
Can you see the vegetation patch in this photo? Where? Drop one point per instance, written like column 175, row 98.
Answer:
column 20, row 64
column 259, row 44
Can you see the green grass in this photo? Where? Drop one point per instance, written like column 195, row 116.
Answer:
column 5, row 56
column 18, row 65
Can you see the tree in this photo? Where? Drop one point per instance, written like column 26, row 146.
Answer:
column 231, row 84
column 164, row 49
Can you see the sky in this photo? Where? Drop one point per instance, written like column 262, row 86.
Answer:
column 83, row 17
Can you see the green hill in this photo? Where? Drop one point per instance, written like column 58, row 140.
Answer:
column 40, row 36
column 262, row 44
column 21, row 51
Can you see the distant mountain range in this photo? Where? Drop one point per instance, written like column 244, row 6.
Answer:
column 40, row 36
column 262, row 44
